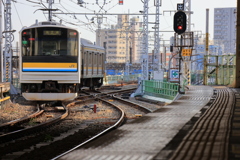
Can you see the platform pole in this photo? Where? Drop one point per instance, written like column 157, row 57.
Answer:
column 236, row 82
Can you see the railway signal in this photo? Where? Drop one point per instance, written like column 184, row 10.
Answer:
column 120, row 2
column 180, row 24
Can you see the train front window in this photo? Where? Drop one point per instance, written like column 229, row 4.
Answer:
column 49, row 41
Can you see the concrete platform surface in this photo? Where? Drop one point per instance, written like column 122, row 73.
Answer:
column 145, row 137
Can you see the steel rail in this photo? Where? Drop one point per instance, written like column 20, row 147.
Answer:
column 26, row 131
column 135, row 105
column 117, row 124
column 23, row 119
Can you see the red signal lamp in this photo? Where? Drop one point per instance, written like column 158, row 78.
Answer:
column 121, row 2
column 179, row 27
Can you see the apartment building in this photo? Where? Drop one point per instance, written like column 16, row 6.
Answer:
column 225, row 29
column 123, row 40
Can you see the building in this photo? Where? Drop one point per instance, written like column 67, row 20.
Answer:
column 136, row 39
column 225, row 29
column 123, row 41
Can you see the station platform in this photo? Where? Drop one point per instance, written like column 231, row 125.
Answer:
column 147, row 137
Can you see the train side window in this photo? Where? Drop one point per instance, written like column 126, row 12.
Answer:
column 95, row 58
column 100, row 59
column 85, row 58
column 90, row 58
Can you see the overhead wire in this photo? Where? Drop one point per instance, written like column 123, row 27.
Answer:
column 101, row 8
column 77, row 20
column 63, row 5
column 18, row 14
column 74, row 16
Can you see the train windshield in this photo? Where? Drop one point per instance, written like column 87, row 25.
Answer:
column 49, row 41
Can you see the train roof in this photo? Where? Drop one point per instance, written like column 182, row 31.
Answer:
column 47, row 24
column 88, row 43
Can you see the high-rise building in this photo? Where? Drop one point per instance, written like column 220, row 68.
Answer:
column 123, row 40
column 225, row 29
column 136, row 39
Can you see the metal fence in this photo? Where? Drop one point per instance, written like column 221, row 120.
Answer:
column 160, row 89
column 219, row 69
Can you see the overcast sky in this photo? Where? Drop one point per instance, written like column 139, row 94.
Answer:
column 24, row 13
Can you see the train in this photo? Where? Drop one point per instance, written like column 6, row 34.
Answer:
column 55, row 62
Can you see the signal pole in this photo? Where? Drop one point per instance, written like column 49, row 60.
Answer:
column 179, row 27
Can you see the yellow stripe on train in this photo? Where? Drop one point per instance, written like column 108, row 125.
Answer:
column 49, row 65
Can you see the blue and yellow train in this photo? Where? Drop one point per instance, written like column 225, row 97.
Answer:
column 55, row 62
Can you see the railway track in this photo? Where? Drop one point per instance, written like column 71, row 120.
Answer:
column 115, row 125
column 76, row 130
column 14, row 131
column 21, row 120
column 207, row 139
column 121, row 105
column 91, row 95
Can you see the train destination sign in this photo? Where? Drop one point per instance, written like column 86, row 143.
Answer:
column 51, row 33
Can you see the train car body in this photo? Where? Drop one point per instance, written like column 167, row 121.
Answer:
column 93, row 64
column 55, row 62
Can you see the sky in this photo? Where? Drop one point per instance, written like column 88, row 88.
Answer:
column 25, row 13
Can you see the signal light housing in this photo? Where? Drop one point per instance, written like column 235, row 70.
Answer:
column 120, row 2
column 180, row 20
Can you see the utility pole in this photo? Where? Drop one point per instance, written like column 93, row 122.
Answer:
column 156, row 56
column 236, row 83
column 1, row 38
column 145, row 41
column 205, row 79
column 144, row 57
column 186, row 67
column 8, row 43
column 127, row 67
column 207, row 30
column 98, row 32
column 99, row 22
column 187, row 9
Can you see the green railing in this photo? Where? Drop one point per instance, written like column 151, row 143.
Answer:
column 160, row 89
